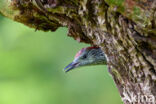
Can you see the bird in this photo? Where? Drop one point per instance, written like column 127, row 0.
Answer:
column 88, row 56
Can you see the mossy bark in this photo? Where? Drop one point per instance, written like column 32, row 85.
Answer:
column 124, row 29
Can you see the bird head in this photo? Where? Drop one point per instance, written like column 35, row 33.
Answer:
column 87, row 56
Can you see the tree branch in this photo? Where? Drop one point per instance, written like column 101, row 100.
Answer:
column 124, row 29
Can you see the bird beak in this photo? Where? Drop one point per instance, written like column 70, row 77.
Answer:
column 70, row 66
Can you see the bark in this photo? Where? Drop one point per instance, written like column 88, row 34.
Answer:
column 124, row 29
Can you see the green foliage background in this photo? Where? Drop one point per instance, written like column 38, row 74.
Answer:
column 31, row 69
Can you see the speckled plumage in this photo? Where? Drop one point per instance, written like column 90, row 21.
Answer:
column 86, row 57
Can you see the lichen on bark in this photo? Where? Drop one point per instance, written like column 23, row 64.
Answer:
column 124, row 29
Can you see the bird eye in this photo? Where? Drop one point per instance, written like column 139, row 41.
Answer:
column 85, row 56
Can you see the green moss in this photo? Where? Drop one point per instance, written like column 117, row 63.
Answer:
column 115, row 2
column 57, row 10
column 7, row 10
column 117, row 74
column 136, row 11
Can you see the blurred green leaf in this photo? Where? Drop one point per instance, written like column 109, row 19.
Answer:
column 31, row 69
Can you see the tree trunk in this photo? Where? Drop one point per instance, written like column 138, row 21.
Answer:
column 124, row 29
